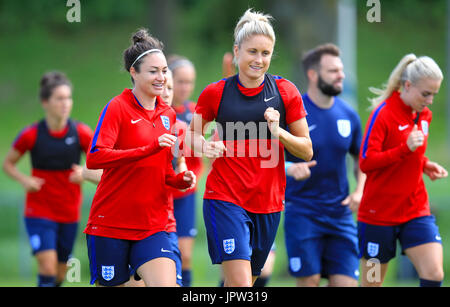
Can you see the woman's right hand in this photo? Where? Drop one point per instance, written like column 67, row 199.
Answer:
column 32, row 184
column 415, row 139
column 213, row 149
column 167, row 140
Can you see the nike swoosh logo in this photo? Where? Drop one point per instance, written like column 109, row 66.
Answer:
column 165, row 250
column 136, row 121
column 70, row 140
column 266, row 100
column 312, row 127
column 401, row 128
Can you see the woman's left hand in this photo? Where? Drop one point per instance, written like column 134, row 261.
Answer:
column 434, row 170
column 76, row 176
column 190, row 177
column 272, row 117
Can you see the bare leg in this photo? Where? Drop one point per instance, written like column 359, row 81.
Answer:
column 372, row 273
column 308, row 281
column 237, row 273
column 158, row 272
column 428, row 260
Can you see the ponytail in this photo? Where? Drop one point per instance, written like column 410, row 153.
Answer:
column 410, row 68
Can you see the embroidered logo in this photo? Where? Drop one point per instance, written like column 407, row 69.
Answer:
column 295, row 264
column 424, row 125
column 107, row 272
column 344, row 127
column 401, row 128
column 373, row 249
column 228, row 246
column 70, row 140
column 166, row 122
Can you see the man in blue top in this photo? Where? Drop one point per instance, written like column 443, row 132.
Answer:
column 320, row 232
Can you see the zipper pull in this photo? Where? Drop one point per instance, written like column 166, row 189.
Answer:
column 154, row 125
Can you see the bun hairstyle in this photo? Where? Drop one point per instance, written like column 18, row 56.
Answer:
column 252, row 23
column 50, row 81
column 141, row 41
column 410, row 68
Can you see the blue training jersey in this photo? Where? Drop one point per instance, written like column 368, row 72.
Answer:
column 334, row 133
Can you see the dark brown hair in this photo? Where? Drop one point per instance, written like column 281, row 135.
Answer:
column 141, row 42
column 50, row 81
column 311, row 59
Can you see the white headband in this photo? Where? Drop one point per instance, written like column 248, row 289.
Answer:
column 144, row 53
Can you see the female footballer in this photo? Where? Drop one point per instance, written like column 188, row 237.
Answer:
column 132, row 144
column 395, row 203
column 53, row 191
column 244, row 192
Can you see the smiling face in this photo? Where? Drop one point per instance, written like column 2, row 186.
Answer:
column 59, row 105
column 151, row 77
column 420, row 95
column 253, row 58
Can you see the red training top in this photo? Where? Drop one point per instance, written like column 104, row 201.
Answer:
column 131, row 201
column 239, row 179
column 58, row 200
column 394, row 192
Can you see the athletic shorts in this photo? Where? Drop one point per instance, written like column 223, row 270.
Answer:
column 380, row 242
column 184, row 211
column 113, row 261
column 174, row 242
column 48, row 235
column 321, row 244
column 234, row 233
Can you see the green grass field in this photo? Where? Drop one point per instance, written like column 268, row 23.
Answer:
column 94, row 66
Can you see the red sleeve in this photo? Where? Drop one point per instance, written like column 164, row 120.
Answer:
column 85, row 135
column 209, row 100
column 102, row 154
column 292, row 99
column 25, row 139
column 372, row 156
column 173, row 179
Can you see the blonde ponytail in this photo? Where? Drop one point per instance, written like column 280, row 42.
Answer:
column 394, row 82
column 410, row 68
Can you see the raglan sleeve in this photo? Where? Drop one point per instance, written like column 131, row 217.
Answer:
column 102, row 152
column 372, row 155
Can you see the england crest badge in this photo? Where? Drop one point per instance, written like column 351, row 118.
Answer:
column 228, row 246
column 295, row 264
column 344, row 127
column 166, row 122
column 107, row 272
column 424, row 124
column 373, row 249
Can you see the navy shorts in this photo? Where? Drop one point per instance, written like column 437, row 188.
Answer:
column 48, row 235
column 380, row 242
column 184, row 211
column 234, row 233
column 174, row 243
column 321, row 244
column 113, row 261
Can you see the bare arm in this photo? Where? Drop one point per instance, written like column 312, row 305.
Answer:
column 354, row 199
column 195, row 139
column 29, row 183
column 92, row 175
column 297, row 141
